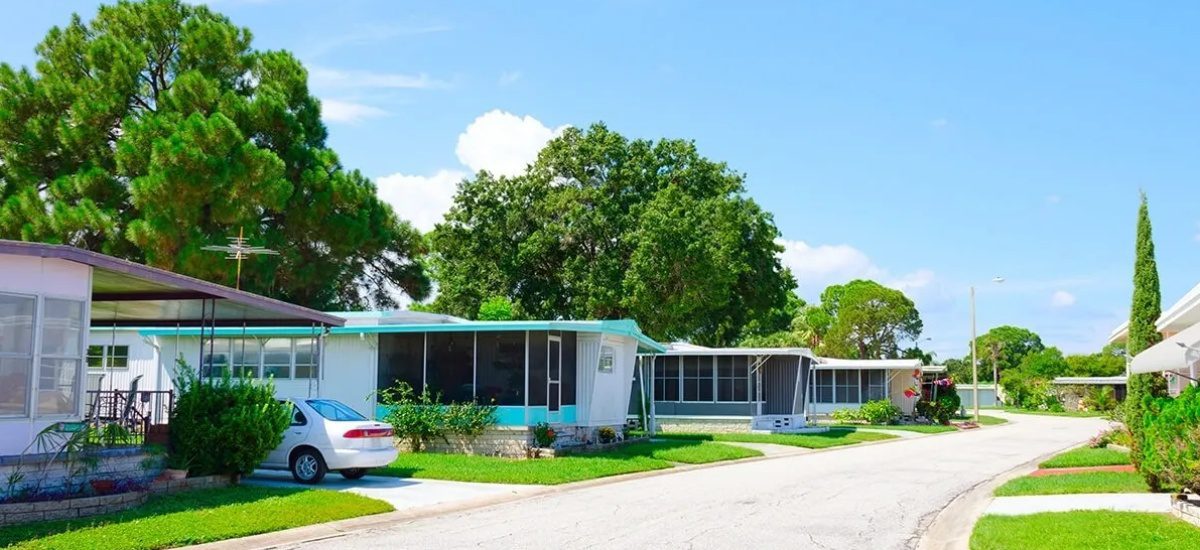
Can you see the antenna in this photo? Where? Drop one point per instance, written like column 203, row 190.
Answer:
column 238, row 249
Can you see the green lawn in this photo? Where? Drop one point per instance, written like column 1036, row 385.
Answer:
column 1085, row 482
column 832, row 438
column 636, row 457
column 1092, row 530
column 194, row 517
column 1087, row 456
column 985, row 420
column 919, row 428
column 1077, row 414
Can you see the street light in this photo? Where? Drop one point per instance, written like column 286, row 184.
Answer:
column 974, row 359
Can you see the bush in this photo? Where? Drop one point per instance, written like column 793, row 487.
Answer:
column 880, row 411
column 1170, row 441
column 419, row 419
column 846, row 415
column 543, row 435
column 606, row 434
column 1099, row 399
column 944, row 407
column 224, row 425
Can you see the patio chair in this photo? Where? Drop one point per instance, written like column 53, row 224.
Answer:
column 126, row 418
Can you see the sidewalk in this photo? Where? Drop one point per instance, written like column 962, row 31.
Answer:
column 401, row 493
column 1117, row 502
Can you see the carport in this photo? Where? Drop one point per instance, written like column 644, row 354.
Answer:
column 49, row 293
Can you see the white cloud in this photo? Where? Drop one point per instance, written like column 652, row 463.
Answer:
column 1062, row 298
column 939, row 123
column 336, row 110
column 1053, row 199
column 503, row 143
column 920, row 278
column 327, row 78
column 509, row 77
column 816, row 267
column 422, row 200
column 497, row 141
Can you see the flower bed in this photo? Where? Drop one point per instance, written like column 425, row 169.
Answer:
column 70, row 508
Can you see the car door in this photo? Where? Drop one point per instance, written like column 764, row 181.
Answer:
column 295, row 434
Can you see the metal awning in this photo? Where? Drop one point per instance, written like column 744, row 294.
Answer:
column 125, row 293
column 826, row 363
column 1175, row 353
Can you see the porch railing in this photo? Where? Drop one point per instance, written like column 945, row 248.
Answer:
column 136, row 411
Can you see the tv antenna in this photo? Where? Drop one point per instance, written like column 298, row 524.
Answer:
column 238, row 250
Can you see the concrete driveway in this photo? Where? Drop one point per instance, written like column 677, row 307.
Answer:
column 403, row 494
column 873, row 496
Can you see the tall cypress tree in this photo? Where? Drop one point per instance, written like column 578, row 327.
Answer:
column 1146, row 308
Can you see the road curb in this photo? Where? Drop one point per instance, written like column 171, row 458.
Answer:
column 339, row 528
column 951, row 527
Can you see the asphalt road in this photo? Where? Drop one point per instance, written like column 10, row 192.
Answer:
column 867, row 497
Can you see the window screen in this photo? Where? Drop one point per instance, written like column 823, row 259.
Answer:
column 537, row 367
column 450, row 365
column 401, row 359
column 666, row 379
column 16, row 353
column 501, row 364
column 697, row 378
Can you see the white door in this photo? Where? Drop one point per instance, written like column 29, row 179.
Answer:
column 295, row 434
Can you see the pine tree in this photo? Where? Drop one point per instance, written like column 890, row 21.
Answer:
column 1146, row 308
column 156, row 129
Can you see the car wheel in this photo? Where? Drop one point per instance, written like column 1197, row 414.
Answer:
column 308, row 467
column 354, row 473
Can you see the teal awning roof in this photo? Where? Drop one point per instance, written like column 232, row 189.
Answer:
column 622, row 327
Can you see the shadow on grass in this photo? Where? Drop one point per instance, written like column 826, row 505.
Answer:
column 155, row 506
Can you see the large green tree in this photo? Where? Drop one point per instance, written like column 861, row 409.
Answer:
column 1109, row 361
column 156, row 129
column 1003, row 348
column 868, row 320
column 601, row 226
column 1143, row 314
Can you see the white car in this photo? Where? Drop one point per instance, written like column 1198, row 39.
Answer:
column 326, row 435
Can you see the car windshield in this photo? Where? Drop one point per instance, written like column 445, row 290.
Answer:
column 334, row 410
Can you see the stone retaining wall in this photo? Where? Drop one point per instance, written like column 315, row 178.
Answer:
column 516, row 442
column 703, row 425
column 498, row 441
column 1186, row 510
column 48, row 472
column 25, row 512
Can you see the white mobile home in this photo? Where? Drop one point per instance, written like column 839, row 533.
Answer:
column 771, row 388
column 576, row 375
column 50, row 295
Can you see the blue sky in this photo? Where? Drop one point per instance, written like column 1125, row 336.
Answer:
column 928, row 145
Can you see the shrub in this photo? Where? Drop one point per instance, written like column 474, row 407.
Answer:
column 880, row 411
column 419, row 419
column 934, row 411
column 1170, row 441
column 1099, row 399
column 606, row 434
column 543, row 435
column 469, row 419
column 846, row 415
column 224, row 425
column 1107, row 437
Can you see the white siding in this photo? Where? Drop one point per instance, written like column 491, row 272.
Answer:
column 143, row 361
column 607, row 399
column 347, row 370
column 43, row 277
